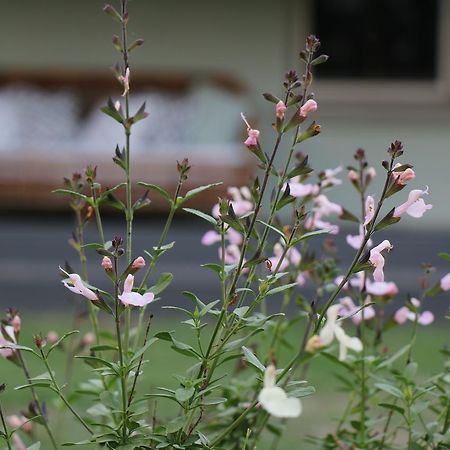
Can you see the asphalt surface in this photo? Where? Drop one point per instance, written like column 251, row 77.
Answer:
column 33, row 247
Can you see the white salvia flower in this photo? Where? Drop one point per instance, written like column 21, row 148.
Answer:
column 275, row 400
column 333, row 329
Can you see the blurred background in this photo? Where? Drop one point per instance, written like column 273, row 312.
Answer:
column 203, row 63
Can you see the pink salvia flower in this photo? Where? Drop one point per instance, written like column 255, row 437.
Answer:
column 330, row 179
column 232, row 254
column 252, row 139
column 11, row 339
column 138, row 263
column 356, row 240
column 381, row 288
column 88, row 339
column 16, row 323
column 302, row 277
column 403, row 177
column 19, row 444
column 415, row 205
column 426, row 318
column 75, row 284
column 377, row 259
column 371, row 173
column 280, row 110
column 107, row 263
column 233, row 236
column 301, row 190
column 309, row 107
column 19, row 422
column 403, row 314
column 325, row 207
column 353, row 175
column 370, row 210
column 129, row 297
column 210, row 237
column 349, row 308
column 52, row 337
column 445, row 282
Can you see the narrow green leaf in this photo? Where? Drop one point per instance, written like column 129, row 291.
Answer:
column 252, row 359
column 202, row 215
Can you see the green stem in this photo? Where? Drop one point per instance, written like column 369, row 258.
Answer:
column 61, row 395
column 98, row 217
column 7, row 436
column 447, row 419
column 156, row 254
column 120, row 351
column 36, row 399
column 138, row 370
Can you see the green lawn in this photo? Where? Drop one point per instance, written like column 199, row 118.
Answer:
column 320, row 410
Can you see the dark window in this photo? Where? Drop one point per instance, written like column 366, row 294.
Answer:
column 377, row 38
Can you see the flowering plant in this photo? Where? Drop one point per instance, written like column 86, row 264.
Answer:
column 232, row 393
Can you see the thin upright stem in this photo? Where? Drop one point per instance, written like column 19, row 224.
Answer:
column 61, row 395
column 36, row 401
column 5, row 429
column 138, row 370
column 120, row 351
column 98, row 217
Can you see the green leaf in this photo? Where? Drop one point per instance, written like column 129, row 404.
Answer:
column 111, row 111
column 143, row 349
column 271, row 98
column 300, row 169
column 198, row 190
column 278, row 231
column 213, row 401
column 308, row 236
column 74, row 193
column 388, row 362
column 281, row 288
column 392, row 407
column 252, row 359
column 238, row 343
column 387, row 220
column 158, row 189
column 35, row 446
column 163, row 282
column 60, row 340
column 176, row 424
column 303, row 391
column 285, row 199
column 180, row 347
column 184, row 394
column 202, row 215
column 392, row 390
column 444, row 255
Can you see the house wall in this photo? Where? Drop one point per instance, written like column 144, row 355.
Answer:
column 255, row 41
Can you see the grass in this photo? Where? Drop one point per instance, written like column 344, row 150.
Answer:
column 320, row 410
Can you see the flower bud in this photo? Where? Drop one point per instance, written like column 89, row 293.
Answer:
column 138, row 263
column 16, row 323
column 52, row 337
column 107, row 263
column 39, row 341
column 252, row 139
column 88, row 339
column 280, row 110
column 353, row 176
column 314, row 343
